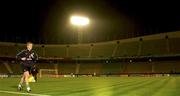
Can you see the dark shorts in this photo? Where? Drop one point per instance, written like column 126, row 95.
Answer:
column 26, row 68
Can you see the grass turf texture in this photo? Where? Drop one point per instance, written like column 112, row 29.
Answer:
column 97, row 86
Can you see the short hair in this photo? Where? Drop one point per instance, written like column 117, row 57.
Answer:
column 29, row 43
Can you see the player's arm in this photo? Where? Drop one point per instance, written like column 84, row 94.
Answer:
column 21, row 55
column 34, row 56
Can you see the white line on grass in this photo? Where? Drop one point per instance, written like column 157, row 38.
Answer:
column 11, row 92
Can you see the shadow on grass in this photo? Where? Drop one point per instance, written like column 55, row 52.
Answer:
column 14, row 86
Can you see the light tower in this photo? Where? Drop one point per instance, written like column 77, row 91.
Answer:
column 79, row 22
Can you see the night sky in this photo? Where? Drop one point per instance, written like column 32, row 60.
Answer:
column 47, row 21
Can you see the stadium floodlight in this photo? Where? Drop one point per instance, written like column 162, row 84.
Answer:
column 79, row 20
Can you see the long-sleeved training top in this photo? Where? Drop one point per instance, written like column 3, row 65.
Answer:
column 31, row 57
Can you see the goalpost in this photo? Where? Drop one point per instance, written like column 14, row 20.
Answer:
column 48, row 73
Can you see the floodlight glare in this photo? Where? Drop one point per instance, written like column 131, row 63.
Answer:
column 79, row 21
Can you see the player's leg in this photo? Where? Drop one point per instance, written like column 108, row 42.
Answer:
column 22, row 79
column 26, row 74
column 21, row 82
column 35, row 76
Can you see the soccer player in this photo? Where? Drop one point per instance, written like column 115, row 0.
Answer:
column 27, row 58
column 34, row 72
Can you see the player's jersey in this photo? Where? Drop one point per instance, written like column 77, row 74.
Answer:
column 31, row 57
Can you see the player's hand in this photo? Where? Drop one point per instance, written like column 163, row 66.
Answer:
column 32, row 55
column 24, row 58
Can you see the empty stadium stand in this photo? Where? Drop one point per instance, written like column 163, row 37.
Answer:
column 164, row 44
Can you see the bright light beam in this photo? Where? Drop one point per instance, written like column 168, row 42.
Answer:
column 79, row 21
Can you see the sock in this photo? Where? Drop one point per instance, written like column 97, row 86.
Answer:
column 19, row 85
column 28, row 87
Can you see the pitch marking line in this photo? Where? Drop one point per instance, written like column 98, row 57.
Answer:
column 31, row 94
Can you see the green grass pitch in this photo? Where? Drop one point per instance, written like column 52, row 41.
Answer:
column 96, row 86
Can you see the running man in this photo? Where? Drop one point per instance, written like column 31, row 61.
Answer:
column 27, row 57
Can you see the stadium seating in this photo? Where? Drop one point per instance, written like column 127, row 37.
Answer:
column 103, row 49
column 138, row 67
column 66, row 68
column 90, row 68
column 110, row 68
column 8, row 50
column 2, row 68
column 154, row 47
column 127, row 49
column 167, row 66
column 79, row 50
column 55, row 51
column 174, row 45
column 146, row 46
column 39, row 50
